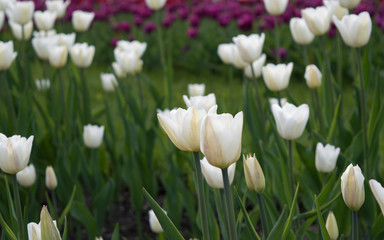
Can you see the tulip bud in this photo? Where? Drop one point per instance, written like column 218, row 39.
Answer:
column 50, row 178
column 214, row 175
column 313, row 76
column 331, row 226
column 129, row 61
column 43, row 84
column 154, row 222
column 350, row 4
column 14, row 153
column 57, row 6
column 201, row 102
column 276, row 77
column 43, row 46
column 254, row 175
column 352, row 187
column 290, row 120
column 257, row 66
column 98, row 238
column 46, row 229
column 118, row 70
column 250, row 47
column 155, row 4
column 318, row 19
column 44, row 20
column 225, row 52
column 82, row 20
column 27, row 176
column 108, row 81
column 7, row 55
column 326, row 157
column 135, row 46
column 355, row 29
column 300, row 31
column 220, row 138
column 335, row 8
column 378, row 192
column 93, row 135
column 196, row 89
column 58, row 56
column 275, row 7
column 21, row 12
column 82, row 54
column 17, row 30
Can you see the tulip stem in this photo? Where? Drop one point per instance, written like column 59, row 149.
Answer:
column 86, row 110
column 277, row 40
column 9, row 99
column 329, row 92
column 62, row 97
column 258, row 98
column 318, row 108
column 201, row 196
column 355, row 226
column 279, row 98
column 363, row 110
column 263, row 216
column 231, row 212
column 290, row 167
column 19, row 214
column 224, row 207
column 140, row 91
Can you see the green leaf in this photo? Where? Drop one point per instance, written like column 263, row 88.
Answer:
column 67, row 208
column 323, row 229
column 288, row 223
column 169, row 228
column 12, row 212
column 8, row 230
column 116, row 234
column 277, row 230
column 65, row 232
column 81, row 213
column 334, row 120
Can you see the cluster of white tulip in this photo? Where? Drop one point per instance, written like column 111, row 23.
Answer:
column 128, row 57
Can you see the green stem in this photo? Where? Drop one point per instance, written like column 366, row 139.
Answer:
column 305, row 55
column 329, row 91
column 86, row 106
column 54, row 200
column 263, row 216
column 258, row 98
column 318, row 109
column 339, row 62
column 277, row 40
column 355, row 226
column 19, row 213
column 224, row 207
column 363, row 114
column 9, row 99
column 290, row 167
column 279, row 98
column 62, row 96
column 230, row 209
column 140, row 91
column 201, row 196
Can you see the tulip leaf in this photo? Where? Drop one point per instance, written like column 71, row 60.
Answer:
column 116, row 234
column 314, row 212
column 323, row 229
column 65, row 232
column 246, row 217
column 277, row 230
column 169, row 228
column 12, row 212
column 304, row 227
column 288, row 223
column 8, row 230
column 67, row 208
column 81, row 213
column 334, row 120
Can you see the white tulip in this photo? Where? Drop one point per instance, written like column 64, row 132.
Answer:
column 43, row 84
column 276, row 77
column 214, row 176
column 378, row 192
column 318, row 19
column 81, row 20
column 300, row 31
column 275, row 7
column 136, row 46
column 118, row 70
column 14, row 153
column 350, row 4
column 154, row 222
column 21, row 12
column 58, row 56
column 257, row 66
column 290, row 120
column 4, row 4
column 352, row 187
column 44, row 20
column 254, row 176
column 82, row 54
column 313, row 76
column 67, row 40
column 17, row 30
column 331, row 226
column 196, row 89
column 34, row 229
column 220, row 138
column 237, row 61
column 250, row 47
column 41, row 33
column 129, row 61
column 355, row 29
column 2, row 19
column 326, row 157
column 155, row 4
column 43, row 46
column 201, row 102
column 7, row 55
column 108, row 81
column 57, row 6
column 27, row 176
column 225, row 52
column 93, row 135
column 50, row 178
column 272, row 101
column 335, row 8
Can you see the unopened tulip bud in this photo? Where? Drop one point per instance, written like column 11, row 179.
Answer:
column 82, row 54
column 108, row 82
column 201, row 102
column 81, row 20
column 313, row 76
column 154, row 222
column 352, row 187
column 331, row 226
column 50, row 178
column 318, row 19
column 257, row 66
column 155, row 4
column 214, row 175
column 254, row 175
column 27, row 176
column 300, row 31
column 326, row 157
column 196, row 89
column 58, row 56
column 7, row 55
column 275, row 7
column 98, row 238
column 93, row 135
column 378, row 192
column 276, row 77
column 250, row 47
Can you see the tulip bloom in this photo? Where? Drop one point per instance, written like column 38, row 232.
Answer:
column 220, row 138
column 35, row 230
column 196, row 89
column 335, row 8
column 57, row 6
column 254, row 176
column 250, row 47
column 352, row 187
column 93, row 135
column 214, row 175
column 272, row 101
column 44, row 20
column 58, row 56
column 17, row 30
column 154, row 222
column 129, row 61
column 136, row 46
column 326, row 157
column 155, row 4
column 313, row 76
column 225, row 52
column 300, row 31
column 14, row 153
column 276, row 77
column 81, row 20
column 7, row 55
column 257, row 66
column 27, row 176
column 50, row 178
column 118, row 70
column 318, row 19
column 275, row 7
column 43, row 46
column 201, row 102
column 331, row 226
column 378, row 192
column 290, row 120
column 350, row 4
column 4, row 4
column 355, row 29
column 67, row 40
column 82, row 54
column 108, row 81
column 21, row 12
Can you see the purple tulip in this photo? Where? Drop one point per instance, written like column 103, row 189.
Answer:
column 282, row 53
column 183, row 13
column 194, row 20
column 192, row 32
column 138, row 20
column 114, row 41
column 149, row 27
column 245, row 22
column 123, row 26
column 224, row 19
